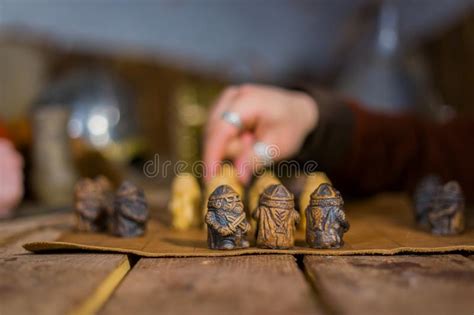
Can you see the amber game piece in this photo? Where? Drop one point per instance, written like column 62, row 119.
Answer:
column 312, row 182
column 185, row 203
column 447, row 216
column 226, row 175
column 276, row 218
column 130, row 211
column 93, row 204
column 326, row 218
column 226, row 220
column 424, row 198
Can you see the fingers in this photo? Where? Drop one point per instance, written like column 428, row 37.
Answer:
column 249, row 162
column 11, row 177
column 220, row 105
column 243, row 161
column 215, row 147
column 222, row 138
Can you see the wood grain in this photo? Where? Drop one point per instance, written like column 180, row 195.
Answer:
column 394, row 285
column 13, row 229
column 225, row 285
column 51, row 284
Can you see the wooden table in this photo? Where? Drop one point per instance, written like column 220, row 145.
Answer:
column 73, row 283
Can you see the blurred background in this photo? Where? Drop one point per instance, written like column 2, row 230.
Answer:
column 100, row 86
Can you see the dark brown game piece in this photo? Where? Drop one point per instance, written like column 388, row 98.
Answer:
column 93, row 204
column 447, row 216
column 130, row 211
column 225, row 219
column 276, row 218
column 424, row 198
column 326, row 220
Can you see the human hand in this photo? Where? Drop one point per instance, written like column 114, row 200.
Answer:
column 11, row 177
column 277, row 117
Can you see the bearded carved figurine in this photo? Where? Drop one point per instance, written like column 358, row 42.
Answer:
column 424, row 198
column 130, row 211
column 447, row 216
column 276, row 218
column 93, row 204
column 226, row 220
column 327, row 222
column 226, row 174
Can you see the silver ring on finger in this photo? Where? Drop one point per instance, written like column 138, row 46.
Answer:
column 232, row 118
column 263, row 151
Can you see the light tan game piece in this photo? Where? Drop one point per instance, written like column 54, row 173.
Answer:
column 312, row 182
column 226, row 175
column 185, row 202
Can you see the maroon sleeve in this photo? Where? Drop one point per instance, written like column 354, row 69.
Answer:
column 365, row 152
column 3, row 131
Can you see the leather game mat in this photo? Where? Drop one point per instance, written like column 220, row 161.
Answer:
column 383, row 225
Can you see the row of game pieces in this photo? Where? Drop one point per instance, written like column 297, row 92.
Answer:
column 98, row 208
column 272, row 211
column 188, row 205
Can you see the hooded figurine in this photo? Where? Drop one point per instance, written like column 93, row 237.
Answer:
column 276, row 218
column 327, row 222
column 131, row 211
column 424, row 198
column 93, row 204
column 313, row 180
column 226, row 220
column 447, row 216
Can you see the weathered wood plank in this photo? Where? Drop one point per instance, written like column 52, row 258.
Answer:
column 394, row 285
column 225, row 285
column 11, row 229
column 56, row 284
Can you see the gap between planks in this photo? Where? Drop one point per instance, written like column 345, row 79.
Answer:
column 56, row 283
column 249, row 284
column 106, row 288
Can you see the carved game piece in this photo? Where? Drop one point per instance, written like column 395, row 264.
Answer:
column 312, row 182
column 130, row 211
column 447, row 216
column 226, row 175
column 185, row 203
column 424, row 198
column 93, row 204
column 226, row 220
column 276, row 218
column 262, row 182
column 326, row 218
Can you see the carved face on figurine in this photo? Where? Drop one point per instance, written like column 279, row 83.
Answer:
column 131, row 211
column 226, row 220
column 447, row 216
column 326, row 219
column 225, row 198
